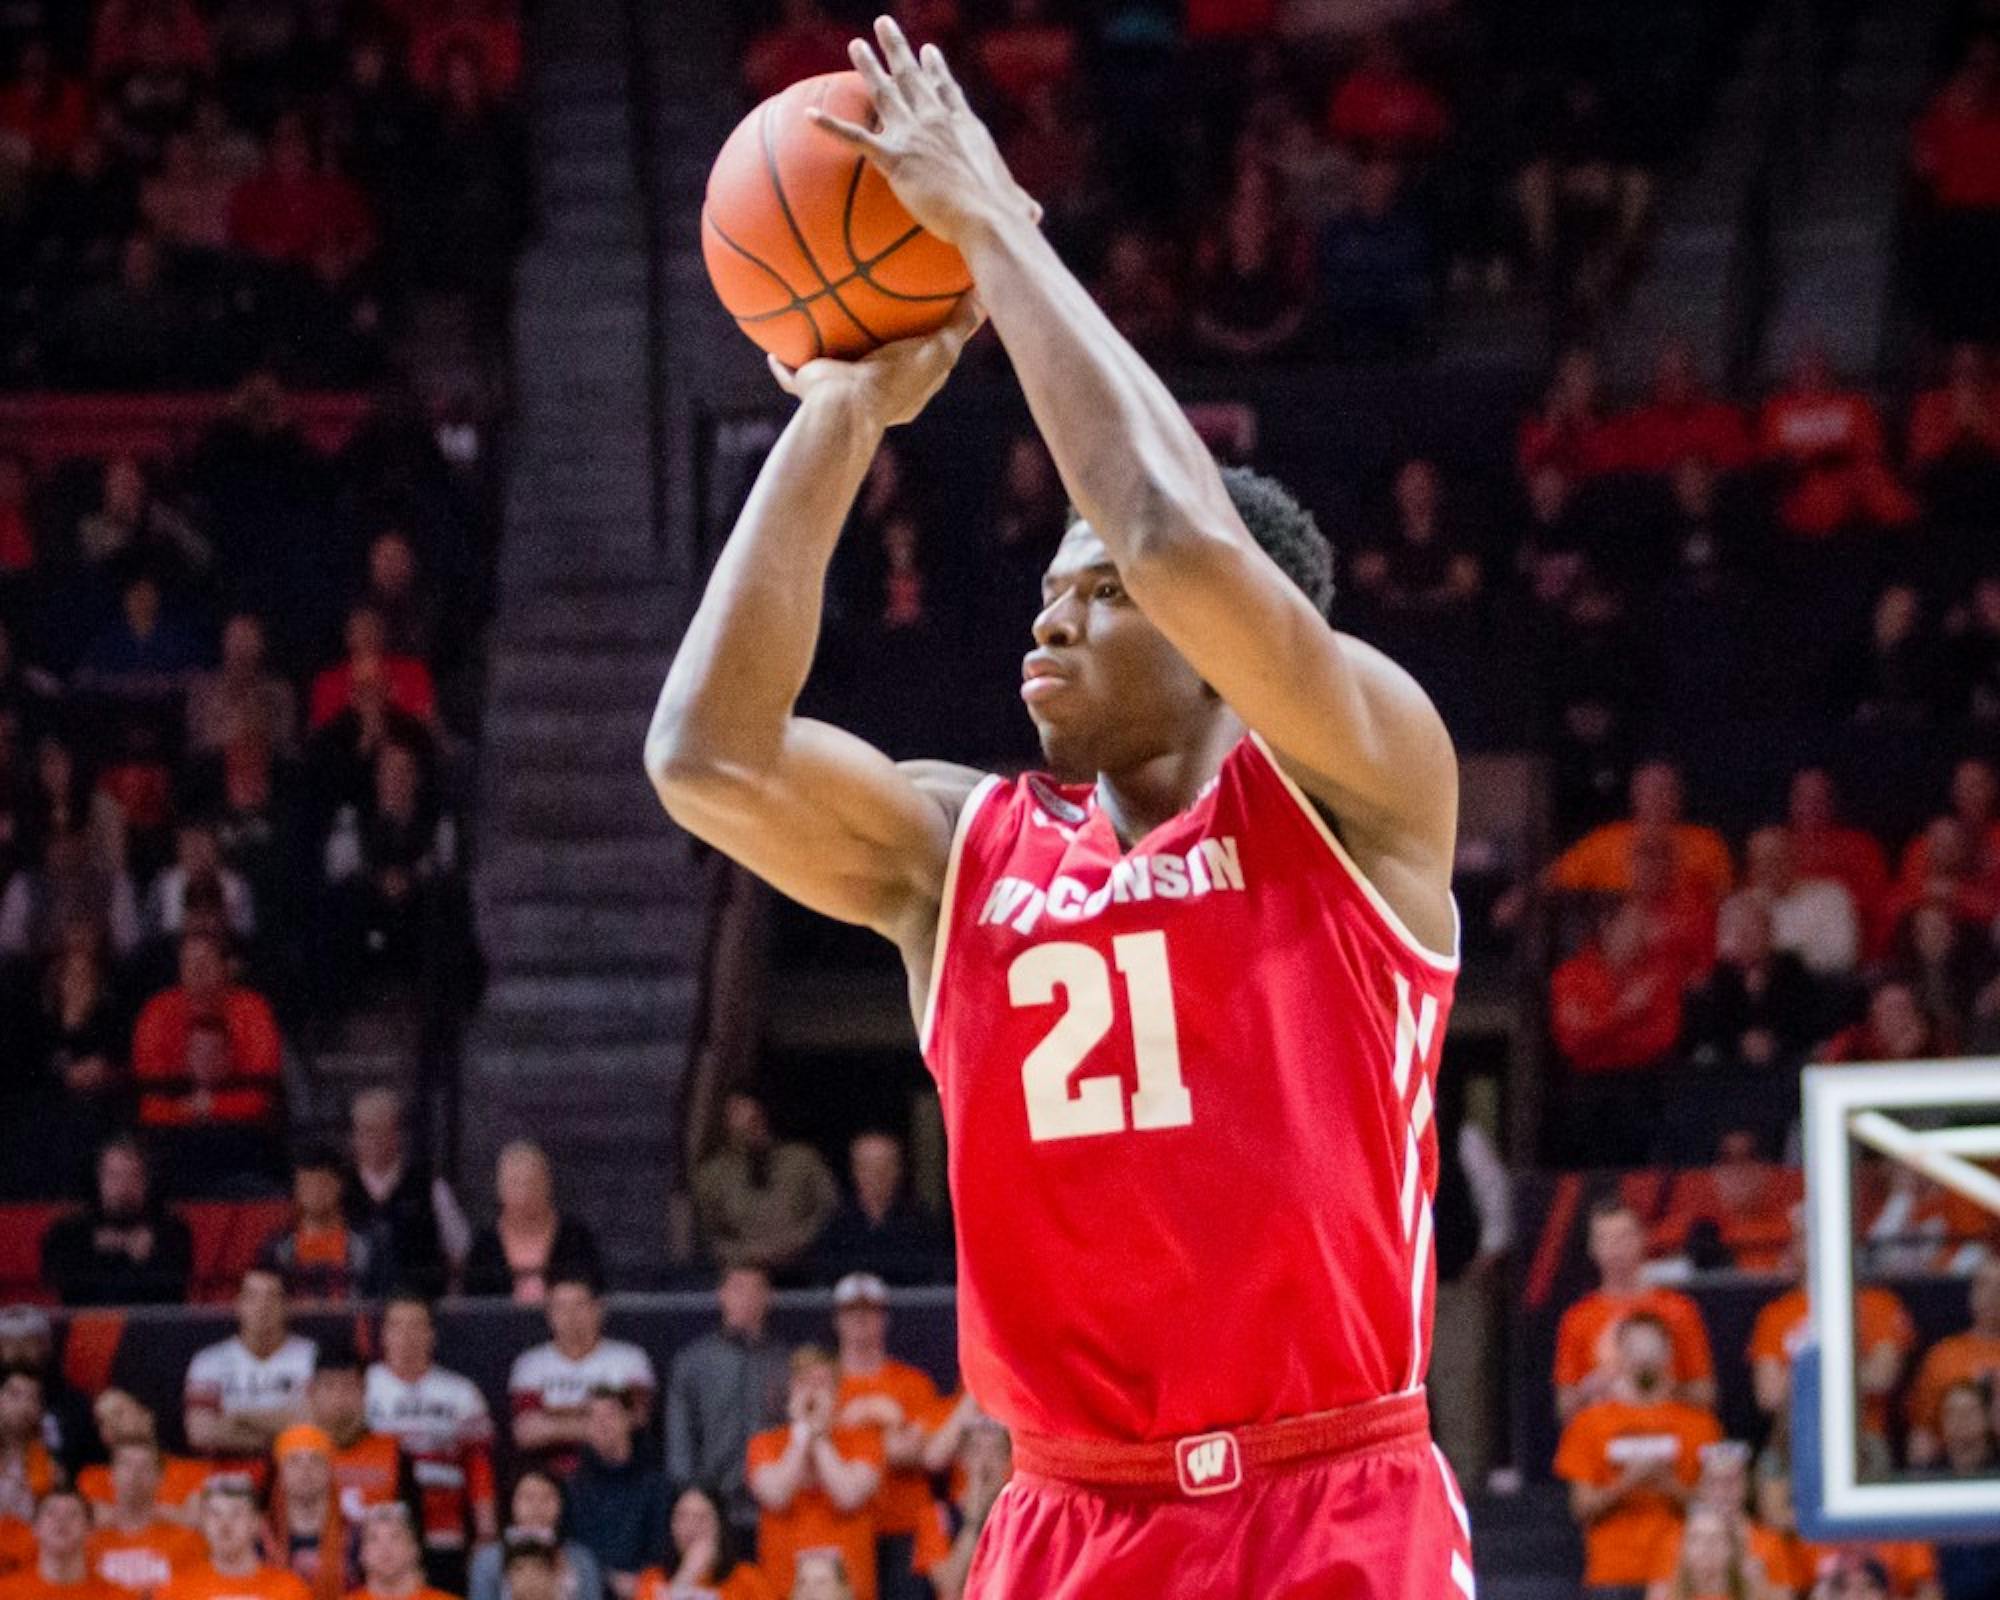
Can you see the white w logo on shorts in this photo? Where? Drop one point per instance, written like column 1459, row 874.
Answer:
column 1205, row 1461
column 1208, row 1464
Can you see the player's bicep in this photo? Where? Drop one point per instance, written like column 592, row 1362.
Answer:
column 830, row 821
column 1355, row 729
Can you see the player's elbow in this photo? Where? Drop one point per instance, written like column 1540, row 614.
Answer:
column 686, row 772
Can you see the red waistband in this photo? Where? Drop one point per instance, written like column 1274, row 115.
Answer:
column 1213, row 1463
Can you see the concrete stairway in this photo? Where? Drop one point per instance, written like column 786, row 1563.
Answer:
column 589, row 901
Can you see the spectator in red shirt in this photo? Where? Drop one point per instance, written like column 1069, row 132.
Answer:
column 1827, row 443
column 490, row 30
column 1896, row 1028
column 1734, row 1213
column 119, row 39
column 1681, row 419
column 1955, row 146
column 1615, row 1012
column 802, row 43
column 295, row 213
column 408, row 680
column 17, row 539
column 206, row 1049
column 1569, row 430
column 1958, row 422
column 1029, row 51
column 1679, row 917
column 1381, row 108
column 43, row 113
column 1825, row 847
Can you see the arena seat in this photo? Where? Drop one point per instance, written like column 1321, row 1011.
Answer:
column 21, row 1228
column 227, row 1237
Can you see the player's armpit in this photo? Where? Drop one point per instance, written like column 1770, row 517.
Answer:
column 829, row 820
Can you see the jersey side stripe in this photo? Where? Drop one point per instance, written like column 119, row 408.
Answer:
column 1420, row 1262
column 1381, row 907
column 947, row 903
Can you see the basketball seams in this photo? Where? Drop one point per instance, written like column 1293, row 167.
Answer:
column 768, row 146
column 864, row 268
column 799, row 305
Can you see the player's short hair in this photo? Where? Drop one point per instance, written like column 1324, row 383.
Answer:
column 1284, row 530
column 230, row 1486
column 1611, row 1205
column 62, row 1491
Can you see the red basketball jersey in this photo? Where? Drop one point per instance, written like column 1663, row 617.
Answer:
column 1188, row 1090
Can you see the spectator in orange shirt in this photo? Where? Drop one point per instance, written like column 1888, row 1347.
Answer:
column 17, row 1545
column 1969, row 1357
column 1631, row 1460
column 1712, row 1560
column 1827, row 442
column 1891, row 1570
column 121, row 1420
column 314, row 1540
column 1381, row 108
column 177, row 1069
column 317, row 1255
column 392, row 1558
column 1884, row 1335
column 1825, row 847
column 368, row 1468
column 135, row 1548
column 1724, row 1491
column 701, row 1557
column 27, row 1469
column 1601, row 862
column 235, row 1569
column 1679, row 420
column 61, row 1570
column 896, row 1400
column 1741, row 1200
column 1679, row 917
column 1587, row 1337
column 815, row 1481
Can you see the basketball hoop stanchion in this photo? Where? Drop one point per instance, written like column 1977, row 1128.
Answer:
column 1868, row 1105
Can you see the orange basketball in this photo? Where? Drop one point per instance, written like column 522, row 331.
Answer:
column 806, row 245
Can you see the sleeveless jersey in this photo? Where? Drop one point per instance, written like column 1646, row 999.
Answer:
column 1188, row 1089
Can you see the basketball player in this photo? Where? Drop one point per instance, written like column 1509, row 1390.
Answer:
column 1183, row 999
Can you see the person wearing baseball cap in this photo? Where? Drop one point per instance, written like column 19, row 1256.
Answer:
column 896, row 1401
column 308, row 1531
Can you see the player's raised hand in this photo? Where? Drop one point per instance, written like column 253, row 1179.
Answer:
column 891, row 385
column 937, row 155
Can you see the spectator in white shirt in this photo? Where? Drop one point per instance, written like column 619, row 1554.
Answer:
column 242, row 1393
column 550, row 1386
column 1814, row 918
column 198, row 861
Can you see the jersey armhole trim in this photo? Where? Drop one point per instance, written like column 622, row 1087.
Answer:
column 1373, row 895
column 947, row 904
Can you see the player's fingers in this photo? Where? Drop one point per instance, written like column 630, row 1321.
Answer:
column 939, row 73
column 882, row 88
column 867, row 142
column 966, row 316
column 788, row 380
column 901, row 59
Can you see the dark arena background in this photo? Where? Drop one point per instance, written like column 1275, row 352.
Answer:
column 368, row 428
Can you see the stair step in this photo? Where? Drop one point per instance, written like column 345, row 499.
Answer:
column 607, row 747
column 654, row 866
column 586, row 679
column 637, row 614
column 555, row 935
column 580, row 1009
column 644, row 1064
column 559, row 803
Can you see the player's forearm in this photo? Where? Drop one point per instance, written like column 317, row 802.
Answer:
column 745, row 658
column 1130, row 459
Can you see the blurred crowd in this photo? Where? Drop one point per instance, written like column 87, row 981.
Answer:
column 1287, row 179
column 189, row 190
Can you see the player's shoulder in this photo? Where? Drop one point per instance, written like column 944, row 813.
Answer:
column 946, row 784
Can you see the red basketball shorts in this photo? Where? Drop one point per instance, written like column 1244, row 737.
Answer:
column 1384, row 1522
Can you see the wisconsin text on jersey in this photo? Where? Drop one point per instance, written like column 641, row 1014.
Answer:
column 1212, row 866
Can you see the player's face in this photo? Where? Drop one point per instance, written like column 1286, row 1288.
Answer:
column 1105, row 688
